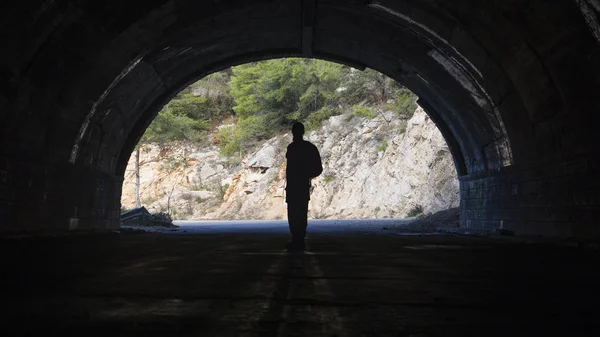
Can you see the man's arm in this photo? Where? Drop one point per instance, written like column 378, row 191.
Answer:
column 316, row 159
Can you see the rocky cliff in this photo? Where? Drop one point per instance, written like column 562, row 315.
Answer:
column 380, row 167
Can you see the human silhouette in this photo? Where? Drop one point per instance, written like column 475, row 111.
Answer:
column 303, row 164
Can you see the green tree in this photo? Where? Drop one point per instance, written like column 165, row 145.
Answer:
column 194, row 107
column 215, row 89
column 368, row 86
column 268, row 96
column 284, row 89
column 171, row 126
column 406, row 103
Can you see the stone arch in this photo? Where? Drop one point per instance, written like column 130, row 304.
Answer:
column 502, row 85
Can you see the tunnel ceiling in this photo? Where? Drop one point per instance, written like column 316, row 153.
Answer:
column 92, row 75
column 500, row 79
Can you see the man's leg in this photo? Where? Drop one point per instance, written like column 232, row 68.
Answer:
column 298, row 219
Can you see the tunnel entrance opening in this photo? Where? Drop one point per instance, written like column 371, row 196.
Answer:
column 512, row 85
column 513, row 96
column 217, row 150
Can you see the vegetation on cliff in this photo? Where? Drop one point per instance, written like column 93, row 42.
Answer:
column 260, row 100
column 264, row 98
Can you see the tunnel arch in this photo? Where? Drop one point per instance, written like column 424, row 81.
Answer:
column 502, row 86
column 148, row 114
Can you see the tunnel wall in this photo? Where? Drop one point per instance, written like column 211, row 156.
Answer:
column 37, row 197
column 557, row 199
column 511, row 84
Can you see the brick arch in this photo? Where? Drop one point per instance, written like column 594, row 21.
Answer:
column 509, row 92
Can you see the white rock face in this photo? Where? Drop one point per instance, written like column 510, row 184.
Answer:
column 375, row 171
column 256, row 192
column 266, row 156
column 188, row 181
column 382, row 167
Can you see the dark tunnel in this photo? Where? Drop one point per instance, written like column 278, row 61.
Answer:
column 512, row 86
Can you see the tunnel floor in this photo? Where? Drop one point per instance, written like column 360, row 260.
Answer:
column 346, row 284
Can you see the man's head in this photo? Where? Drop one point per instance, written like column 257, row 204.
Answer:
column 298, row 130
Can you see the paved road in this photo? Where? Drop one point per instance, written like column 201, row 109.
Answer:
column 317, row 227
column 235, row 281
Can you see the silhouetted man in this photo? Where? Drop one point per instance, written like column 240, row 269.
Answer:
column 303, row 164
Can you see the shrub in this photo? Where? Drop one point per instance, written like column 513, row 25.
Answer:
column 362, row 111
column 222, row 189
column 383, row 146
column 238, row 140
column 406, row 104
column 294, row 116
column 314, row 120
column 328, row 178
column 169, row 126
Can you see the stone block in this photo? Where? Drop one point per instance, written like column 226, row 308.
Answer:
column 473, row 204
column 492, row 203
column 492, row 192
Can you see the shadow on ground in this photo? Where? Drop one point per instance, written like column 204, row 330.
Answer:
column 347, row 284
